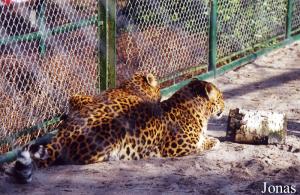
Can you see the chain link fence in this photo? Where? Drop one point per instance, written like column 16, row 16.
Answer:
column 296, row 15
column 44, row 58
column 165, row 37
column 49, row 50
column 243, row 24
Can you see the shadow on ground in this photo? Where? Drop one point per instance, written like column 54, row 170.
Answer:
column 260, row 85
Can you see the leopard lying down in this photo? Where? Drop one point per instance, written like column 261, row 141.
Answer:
column 111, row 103
column 172, row 128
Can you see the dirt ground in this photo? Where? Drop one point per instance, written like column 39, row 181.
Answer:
column 270, row 83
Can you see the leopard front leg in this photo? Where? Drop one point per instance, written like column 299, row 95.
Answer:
column 208, row 143
column 211, row 143
column 175, row 145
column 183, row 145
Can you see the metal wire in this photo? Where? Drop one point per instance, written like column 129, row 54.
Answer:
column 38, row 76
column 296, row 15
column 242, row 24
column 49, row 49
column 161, row 36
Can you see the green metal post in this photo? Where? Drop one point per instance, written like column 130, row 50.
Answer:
column 42, row 27
column 244, row 60
column 212, row 64
column 107, row 33
column 111, row 37
column 101, row 29
column 289, row 18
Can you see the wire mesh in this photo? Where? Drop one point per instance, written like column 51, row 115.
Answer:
column 242, row 24
column 296, row 15
column 35, row 86
column 161, row 36
column 49, row 49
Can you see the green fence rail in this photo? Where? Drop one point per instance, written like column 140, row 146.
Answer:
column 54, row 31
column 55, row 23
column 216, row 33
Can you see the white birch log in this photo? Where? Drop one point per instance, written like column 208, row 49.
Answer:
column 256, row 127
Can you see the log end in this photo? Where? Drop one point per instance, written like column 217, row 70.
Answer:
column 256, row 127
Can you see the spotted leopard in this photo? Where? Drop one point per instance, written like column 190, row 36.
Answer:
column 86, row 114
column 172, row 128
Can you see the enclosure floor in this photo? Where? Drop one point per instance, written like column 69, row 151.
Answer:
column 270, row 83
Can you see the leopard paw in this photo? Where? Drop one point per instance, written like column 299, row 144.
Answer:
column 211, row 143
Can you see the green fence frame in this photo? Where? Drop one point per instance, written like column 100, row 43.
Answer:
column 213, row 71
column 107, row 33
column 105, row 21
column 107, row 58
column 106, row 27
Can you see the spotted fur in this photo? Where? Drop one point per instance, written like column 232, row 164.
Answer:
column 124, row 128
column 185, row 118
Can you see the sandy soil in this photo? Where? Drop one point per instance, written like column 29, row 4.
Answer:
column 270, row 83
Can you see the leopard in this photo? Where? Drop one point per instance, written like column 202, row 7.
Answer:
column 142, row 86
column 185, row 119
column 112, row 102
column 171, row 128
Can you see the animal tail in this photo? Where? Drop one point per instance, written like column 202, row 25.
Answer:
column 36, row 156
column 23, row 169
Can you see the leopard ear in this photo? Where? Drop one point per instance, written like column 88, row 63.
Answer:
column 211, row 92
column 151, row 80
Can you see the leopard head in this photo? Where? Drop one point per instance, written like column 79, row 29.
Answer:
column 145, row 85
column 211, row 93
